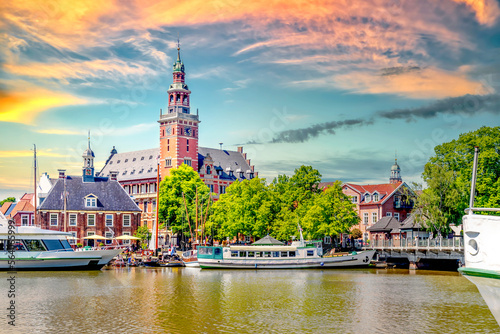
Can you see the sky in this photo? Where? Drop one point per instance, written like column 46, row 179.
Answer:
column 343, row 86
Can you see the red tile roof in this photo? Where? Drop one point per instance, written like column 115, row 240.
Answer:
column 5, row 207
column 22, row 206
column 383, row 190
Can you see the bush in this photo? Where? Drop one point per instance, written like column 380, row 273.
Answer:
column 79, row 245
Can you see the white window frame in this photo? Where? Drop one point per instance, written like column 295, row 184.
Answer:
column 108, row 235
column 388, row 214
column 90, row 233
column 396, row 215
column 70, row 219
column 126, row 242
column 75, row 235
column 106, row 219
column 354, row 199
column 90, row 202
column 375, row 197
column 188, row 162
column 374, row 217
column 23, row 217
column 367, row 198
column 248, row 238
column 365, row 218
column 88, row 219
column 327, row 240
column 56, row 220
column 129, row 220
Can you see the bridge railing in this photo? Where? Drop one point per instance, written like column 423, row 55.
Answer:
column 456, row 243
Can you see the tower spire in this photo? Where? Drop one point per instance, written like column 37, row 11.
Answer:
column 89, row 140
column 178, row 49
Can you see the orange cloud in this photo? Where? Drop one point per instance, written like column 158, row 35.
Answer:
column 23, row 106
column 487, row 11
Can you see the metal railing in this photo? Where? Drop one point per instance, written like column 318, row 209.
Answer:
column 456, row 243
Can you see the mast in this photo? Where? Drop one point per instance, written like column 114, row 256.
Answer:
column 473, row 181
column 34, row 177
column 64, row 199
column 196, row 224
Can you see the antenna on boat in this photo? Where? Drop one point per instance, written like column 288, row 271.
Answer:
column 473, row 181
column 34, row 178
column 301, row 236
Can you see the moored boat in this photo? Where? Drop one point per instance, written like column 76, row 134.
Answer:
column 482, row 249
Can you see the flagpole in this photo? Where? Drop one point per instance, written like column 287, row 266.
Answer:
column 157, row 203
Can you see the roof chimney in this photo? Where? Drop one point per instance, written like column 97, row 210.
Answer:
column 62, row 173
column 113, row 175
column 240, row 149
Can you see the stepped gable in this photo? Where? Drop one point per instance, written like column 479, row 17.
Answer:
column 132, row 165
column 110, row 195
column 226, row 161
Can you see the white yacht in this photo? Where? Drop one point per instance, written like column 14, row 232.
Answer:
column 482, row 250
column 32, row 248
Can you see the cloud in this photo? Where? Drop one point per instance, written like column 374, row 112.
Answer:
column 25, row 104
column 60, row 132
column 487, row 11
column 467, row 104
column 134, row 129
column 28, row 153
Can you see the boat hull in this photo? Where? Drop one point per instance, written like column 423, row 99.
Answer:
column 488, row 284
column 360, row 259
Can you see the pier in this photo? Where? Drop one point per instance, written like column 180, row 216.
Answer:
column 418, row 250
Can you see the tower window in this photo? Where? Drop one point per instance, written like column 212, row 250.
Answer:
column 208, row 169
column 187, row 162
column 171, row 100
column 126, row 160
column 168, row 162
column 142, row 158
column 178, row 98
column 150, row 157
column 118, row 161
column 133, row 160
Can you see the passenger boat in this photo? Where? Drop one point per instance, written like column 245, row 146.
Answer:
column 190, row 258
column 482, row 250
column 39, row 249
column 299, row 255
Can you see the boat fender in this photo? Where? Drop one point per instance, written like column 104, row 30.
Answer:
column 322, row 264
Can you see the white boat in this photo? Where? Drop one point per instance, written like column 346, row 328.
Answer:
column 482, row 250
column 299, row 255
column 37, row 249
column 190, row 258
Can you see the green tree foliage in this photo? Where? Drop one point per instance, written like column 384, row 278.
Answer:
column 448, row 177
column 143, row 233
column 252, row 208
column 356, row 233
column 8, row 199
column 182, row 180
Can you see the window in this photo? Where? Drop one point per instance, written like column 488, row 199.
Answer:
column 109, row 220
column 53, row 219
column 365, row 218
column 284, row 254
column 389, row 214
column 367, row 197
column 310, row 252
column 24, row 220
column 211, row 188
column 187, row 147
column 327, row 240
column 126, row 160
column 234, row 253
column 250, row 176
column 91, row 202
column 126, row 242
column 187, row 162
column 72, row 219
column 91, row 220
column 108, row 235
column 150, row 157
column 291, row 254
column 354, row 199
column 35, row 245
column 208, row 169
column 118, row 161
column 145, row 206
column 126, row 220
column 73, row 241
column 365, row 236
column 375, row 197
column 247, row 238
column 168, row 162
column 231, row 173
column 396, row 215
column 142, row 158
column 222, row 189
column 374, row 217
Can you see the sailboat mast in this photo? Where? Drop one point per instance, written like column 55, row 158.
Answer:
column 196, row 231
column 64, row 199
column 157, row 203
column 34, row 178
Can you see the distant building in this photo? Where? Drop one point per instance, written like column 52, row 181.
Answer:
column 22, row 212
column 179, row 133
column 375, row 201
column 94, row 205
column 388, row 228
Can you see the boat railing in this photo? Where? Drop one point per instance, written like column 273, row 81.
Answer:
column 471, row 210
column 454, row 244
column 85, row 249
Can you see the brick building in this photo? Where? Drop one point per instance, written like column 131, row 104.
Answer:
column 89, row 205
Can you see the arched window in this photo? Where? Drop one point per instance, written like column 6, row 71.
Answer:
column 178, row 97
column 171, row 98
column 208, row 169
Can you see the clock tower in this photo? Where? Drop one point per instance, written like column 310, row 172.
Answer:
column 88, row 164
column 178, row 127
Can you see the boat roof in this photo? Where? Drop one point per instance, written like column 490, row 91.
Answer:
column 263, row 248
column 31, row 230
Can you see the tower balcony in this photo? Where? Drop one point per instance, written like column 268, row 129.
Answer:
column 178, row 116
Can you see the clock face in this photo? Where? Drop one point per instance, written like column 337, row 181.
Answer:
column 188, row 131
column 88, row 171
column 169, row 130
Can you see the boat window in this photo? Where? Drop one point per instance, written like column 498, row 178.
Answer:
column 251, row 254
column 310, row 252
column 2, row 244
column 284, row 254
column 267, row 254
column 243, row 254
column 16, row 246
column 234, row 253
column 52, row 245
column 218, row 251
column 34, row 245
column 258, row 254
column 291, row 253
column 276, row 254
column 66, row 244
column 205, row 251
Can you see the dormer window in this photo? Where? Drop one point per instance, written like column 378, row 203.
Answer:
column 91, row 201
column 208, row 169
column 219, row 172
column 367, row 197
column 231, row 173
column 251, row 176
column 375, row 197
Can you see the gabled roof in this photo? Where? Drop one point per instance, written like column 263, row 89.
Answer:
column 410, row 224
column 226, row 160
column 385, row 190
column 111, row 196
column 385, row 224
column 10, row 208
column 5, row 207
column 268, row 240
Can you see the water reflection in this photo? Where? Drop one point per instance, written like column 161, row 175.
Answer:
column 188, row 300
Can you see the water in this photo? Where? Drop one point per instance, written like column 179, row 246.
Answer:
column 190, row 300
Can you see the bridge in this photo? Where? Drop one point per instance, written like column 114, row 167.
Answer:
column 418, row 250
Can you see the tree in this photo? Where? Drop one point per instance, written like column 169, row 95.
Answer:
column 8, row 199
column 178, row 192
column 356, row 233
column 143, row 233
column 448, row 178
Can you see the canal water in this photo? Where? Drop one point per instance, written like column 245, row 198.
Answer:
column 190, row 300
